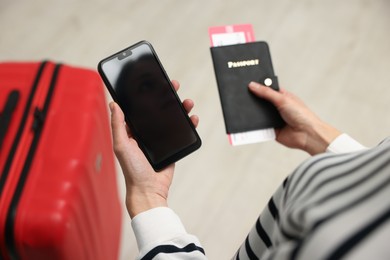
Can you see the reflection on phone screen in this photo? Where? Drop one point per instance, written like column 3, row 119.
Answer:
column 150, row 104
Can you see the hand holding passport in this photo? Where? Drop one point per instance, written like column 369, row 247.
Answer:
column 235, row 67
column 248, row 119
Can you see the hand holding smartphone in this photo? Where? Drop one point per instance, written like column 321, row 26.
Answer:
column 154, row 113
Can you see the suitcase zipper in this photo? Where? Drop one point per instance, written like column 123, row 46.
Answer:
column 15, row 144
column 6, row 115
column 39, row 119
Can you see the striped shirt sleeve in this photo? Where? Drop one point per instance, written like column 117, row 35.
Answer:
column 333, row 206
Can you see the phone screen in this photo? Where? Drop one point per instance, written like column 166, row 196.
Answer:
column 141, row 87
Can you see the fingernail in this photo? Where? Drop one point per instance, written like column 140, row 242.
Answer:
column 111, row 106
column 254, row 85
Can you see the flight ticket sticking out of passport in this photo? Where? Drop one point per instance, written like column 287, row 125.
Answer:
column 238, row 60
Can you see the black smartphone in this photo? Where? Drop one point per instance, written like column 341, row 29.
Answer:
column 153, row 111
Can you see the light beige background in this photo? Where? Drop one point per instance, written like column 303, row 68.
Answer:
column 334, row 54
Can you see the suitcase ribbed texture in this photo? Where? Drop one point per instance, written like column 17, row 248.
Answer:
column 58, row 190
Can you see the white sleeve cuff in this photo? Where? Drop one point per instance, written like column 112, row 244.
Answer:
column 156, row 225
column 344, row 144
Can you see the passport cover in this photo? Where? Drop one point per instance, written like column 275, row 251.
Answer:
column 235, row 66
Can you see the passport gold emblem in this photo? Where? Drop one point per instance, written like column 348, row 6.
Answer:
column 243, row 63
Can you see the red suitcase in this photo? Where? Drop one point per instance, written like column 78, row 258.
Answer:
column 58, row 190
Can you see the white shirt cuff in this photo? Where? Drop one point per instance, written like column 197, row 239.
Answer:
column 344, row 144
column 156, row 225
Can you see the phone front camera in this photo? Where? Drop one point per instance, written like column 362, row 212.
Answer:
column 124, row 54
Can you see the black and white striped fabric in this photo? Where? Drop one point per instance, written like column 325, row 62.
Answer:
column 333, row 206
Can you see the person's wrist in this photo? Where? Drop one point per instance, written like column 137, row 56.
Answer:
column 138, row 202
column 319, row 138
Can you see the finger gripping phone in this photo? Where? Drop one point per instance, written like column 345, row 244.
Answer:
column 154, row 113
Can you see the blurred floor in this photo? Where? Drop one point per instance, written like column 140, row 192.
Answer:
column 335, row 55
